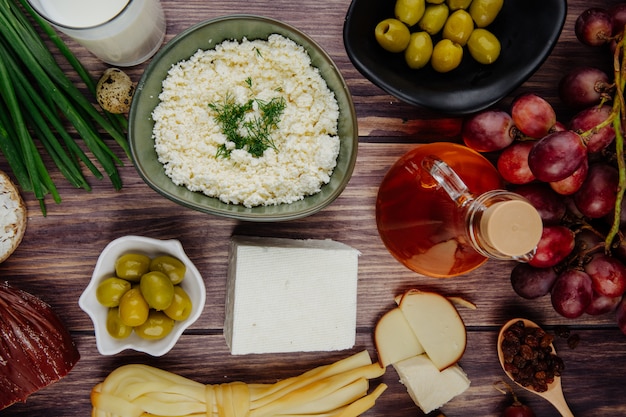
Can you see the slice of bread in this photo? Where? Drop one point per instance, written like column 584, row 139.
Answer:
column 12, row 217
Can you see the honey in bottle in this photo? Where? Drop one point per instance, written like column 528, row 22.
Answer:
column 442, row 211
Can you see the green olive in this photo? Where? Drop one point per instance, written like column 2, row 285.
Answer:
column 458, row 27
column 110, row 291
column 392, row 35
column 116, row 328
column 483, row 46
column 435, row 1
column 419, row 51
column 133, row 309
column 181, row 305
column 434, row 18
column 447, row 55
column 157, row 289
column 170, row 266
column 132, row 266
column 484, row 12
column 409, row 11
column 458, row 4
column 157, row 326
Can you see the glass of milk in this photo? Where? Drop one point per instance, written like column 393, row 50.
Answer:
column 120, row 32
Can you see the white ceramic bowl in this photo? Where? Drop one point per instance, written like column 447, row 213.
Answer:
column 193, row 284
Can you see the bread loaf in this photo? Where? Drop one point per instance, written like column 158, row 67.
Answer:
column 12, row 217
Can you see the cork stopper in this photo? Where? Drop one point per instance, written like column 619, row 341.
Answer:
column 512, row 227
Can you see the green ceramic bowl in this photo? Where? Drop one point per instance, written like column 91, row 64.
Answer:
column 205, row 36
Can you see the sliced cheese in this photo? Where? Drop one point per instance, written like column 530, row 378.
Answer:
column 437, row 325
column 395, row 341
column 287, row 295
column 428, row 387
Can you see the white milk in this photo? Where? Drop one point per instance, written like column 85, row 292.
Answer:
column 120, row 32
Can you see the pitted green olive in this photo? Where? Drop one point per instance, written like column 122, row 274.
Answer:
column 483, row 46
column 484, row 12
column 110, row 291
column 434, row 18
column 181, row 305
column 447, row 55
column 115, row 327
column 156, row 326
column 132, row 266
column 170, row 266
column 419, row 51
column 157, row 289
column 392, row 35
column 458, row 4
column 409, row 11
column 133, row 309
column 458, row 27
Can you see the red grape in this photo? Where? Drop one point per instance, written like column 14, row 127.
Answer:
column 596, row 198
column 589, row 242
column 488, row 131
column 588, row 119
column 618, row 17
column 513, row 163
column 584, row 87
column 594, row 26
column 571, row 293
column 556, row 243
column 601, row 304
column 608, row 275
column 549, row 205
column 557, row 156
column 571, row 184
column 518, row 410
column 530, row 282
column 533, row 115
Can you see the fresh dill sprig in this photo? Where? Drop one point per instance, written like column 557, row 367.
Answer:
column 254, row 134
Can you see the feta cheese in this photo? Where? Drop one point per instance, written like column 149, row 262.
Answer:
column 428, row 387
column 288, row 295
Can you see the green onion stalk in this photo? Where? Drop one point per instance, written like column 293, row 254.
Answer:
column 37, row 101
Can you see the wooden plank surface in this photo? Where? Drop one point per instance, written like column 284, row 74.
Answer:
column 58, row 253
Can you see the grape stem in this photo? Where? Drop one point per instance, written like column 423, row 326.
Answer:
column 619, row 107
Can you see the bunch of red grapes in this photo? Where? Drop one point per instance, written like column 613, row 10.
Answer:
column 574, row 174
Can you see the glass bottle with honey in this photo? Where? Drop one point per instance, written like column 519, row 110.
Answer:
column 442, row 211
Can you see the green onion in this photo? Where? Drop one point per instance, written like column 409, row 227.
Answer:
column 37, row 99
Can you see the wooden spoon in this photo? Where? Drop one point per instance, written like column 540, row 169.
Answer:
column 554, row 394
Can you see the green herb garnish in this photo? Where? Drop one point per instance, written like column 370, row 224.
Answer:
column 254, row 133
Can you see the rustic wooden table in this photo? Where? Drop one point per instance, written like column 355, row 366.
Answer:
column 58, row 252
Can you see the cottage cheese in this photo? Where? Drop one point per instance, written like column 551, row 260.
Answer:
column 187, row 137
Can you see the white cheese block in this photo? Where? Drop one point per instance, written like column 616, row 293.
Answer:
column 428, row 387
column 288, row 295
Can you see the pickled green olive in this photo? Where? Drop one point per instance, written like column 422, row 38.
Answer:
column 434, row 18
column 157, row 289
column 458, row 4
column 483, row 46
column 132, row 266
column 484, row 12
column 419, row 51
column 110, row 291
column 409, row 11
column 181, row 305
column 115, row 327
column 157, row 326
column 447, row 55
column 170, row 266
column 133, row 309
column 392, row 35
column 458, row 27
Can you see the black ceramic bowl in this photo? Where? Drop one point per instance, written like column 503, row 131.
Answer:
column 527, row 30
